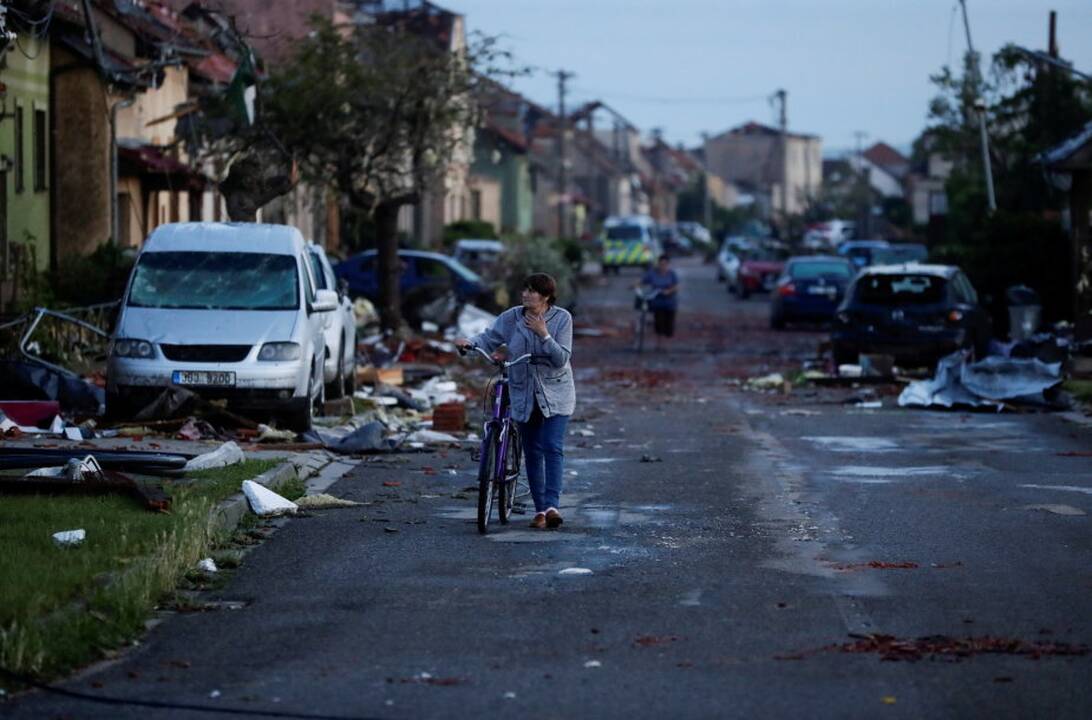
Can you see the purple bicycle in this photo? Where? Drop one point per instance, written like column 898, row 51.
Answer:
column 501, row 453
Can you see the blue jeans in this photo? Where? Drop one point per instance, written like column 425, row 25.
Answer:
column 544, row 456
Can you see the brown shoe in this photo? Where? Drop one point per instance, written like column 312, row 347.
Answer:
column 553, row 518
column 539, row 521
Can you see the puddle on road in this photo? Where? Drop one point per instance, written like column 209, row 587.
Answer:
column 1062, row 488
column 855, row 444
column 691, row 599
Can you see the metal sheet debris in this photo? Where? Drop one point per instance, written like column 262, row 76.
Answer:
column 988, row 383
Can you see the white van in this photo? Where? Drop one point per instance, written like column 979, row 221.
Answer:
column 227, row 310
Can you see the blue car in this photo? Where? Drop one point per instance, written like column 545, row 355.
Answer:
column 810, row 289
column 425, row 277
column 863, row 253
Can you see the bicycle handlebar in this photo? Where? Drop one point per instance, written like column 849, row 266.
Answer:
column 526, row 357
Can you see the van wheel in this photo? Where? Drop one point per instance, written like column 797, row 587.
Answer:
column 300, row 417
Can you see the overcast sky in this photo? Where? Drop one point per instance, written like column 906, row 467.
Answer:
column 708, row 65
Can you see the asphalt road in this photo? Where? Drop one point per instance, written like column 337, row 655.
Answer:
column 748, row 555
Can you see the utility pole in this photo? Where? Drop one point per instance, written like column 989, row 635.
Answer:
column 707, row 201
column 783, row 126
column 980, row 107
column 862, row 189
column 562, row 173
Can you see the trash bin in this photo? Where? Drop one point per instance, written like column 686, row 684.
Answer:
column 1024, row 311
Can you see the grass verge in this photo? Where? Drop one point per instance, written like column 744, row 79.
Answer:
column 1081, row 390
column 62, row 608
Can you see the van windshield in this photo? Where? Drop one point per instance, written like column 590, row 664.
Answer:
column 215, row 281
column 625, row 232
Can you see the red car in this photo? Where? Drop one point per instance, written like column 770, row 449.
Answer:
column 759, row 271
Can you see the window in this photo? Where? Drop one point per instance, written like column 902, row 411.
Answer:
column 432, row 269
column 901, row 289
column 316, row 269
column 19, row 157
column 475, row 204
column 215, row 281
column 41, row 143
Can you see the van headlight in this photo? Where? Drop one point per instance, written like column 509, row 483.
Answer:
column 278, row 351
column 129, row 348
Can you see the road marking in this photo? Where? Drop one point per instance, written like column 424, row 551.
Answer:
column 855, row 444
column 868, row 471
column 1065, row 488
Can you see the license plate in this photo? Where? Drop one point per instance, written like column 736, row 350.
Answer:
column 203, row 377
column 822, row 291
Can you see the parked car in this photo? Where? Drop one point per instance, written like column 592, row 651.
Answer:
column 339, row 372
column 862, row 253
column 897, row 253
column 425, row 277
column 810, row 289
column 759, row 270
column 229, row 311
column 827, row 235
column 629, row 241
column 481, row 256
column 674, row 243
column 917, row 313
column 699, row 236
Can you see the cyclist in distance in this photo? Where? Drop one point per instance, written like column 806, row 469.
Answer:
column 666, row 302
column 542, row 392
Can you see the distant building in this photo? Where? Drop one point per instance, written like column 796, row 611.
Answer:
column 756, row 156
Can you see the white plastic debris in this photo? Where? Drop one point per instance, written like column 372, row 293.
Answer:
column 593, row 664
column 870, row 404
column 429, row 326
column 208, row 565
column 69, row 538
column 772, row 381
column 584, row 432
column 214, row 694
column 265, row 502
column 75, row 469
column 271, row 434
column 474, row 321
column 575, row 571
column 509, row 695
column 431, row 436
column 57, row 426
column 227, row 454
column 73, row 433
column 850, row 371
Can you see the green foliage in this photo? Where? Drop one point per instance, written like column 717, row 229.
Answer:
column 462, row 229
column 96, row 278
column 1030, row 108
column 1015, row 249
column 534, row 255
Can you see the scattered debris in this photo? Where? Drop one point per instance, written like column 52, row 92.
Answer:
column 651, row 640
column 208, row 565
column 323, row 502
column 266, row 503
column 943, row 647
column 227, row 454
column 146, row 463
column 593, row 664
column 69, row 538
column 987, row 383
column 877, row 565
column 773, row 381
column 651, row 459
column 575, row 571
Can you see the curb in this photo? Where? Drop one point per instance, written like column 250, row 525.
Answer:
column 226, row 516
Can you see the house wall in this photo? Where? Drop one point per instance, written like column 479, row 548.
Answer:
column 756, row 159
column 486, row 201
column 26, row 208
column 153, row 105
column 80, row 216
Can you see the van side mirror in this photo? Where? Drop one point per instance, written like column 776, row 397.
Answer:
column 325, row 301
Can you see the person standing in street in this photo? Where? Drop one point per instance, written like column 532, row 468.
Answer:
column 542, row 392
column 664, row 306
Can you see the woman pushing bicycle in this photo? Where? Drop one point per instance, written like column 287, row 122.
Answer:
column 542, row 392
column 663, row 281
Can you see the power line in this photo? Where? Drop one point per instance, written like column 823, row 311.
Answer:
column 661, row 100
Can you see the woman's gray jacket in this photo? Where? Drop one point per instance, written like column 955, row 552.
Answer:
column 549, row 377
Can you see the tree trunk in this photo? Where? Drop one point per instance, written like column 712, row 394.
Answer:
column 389, row 267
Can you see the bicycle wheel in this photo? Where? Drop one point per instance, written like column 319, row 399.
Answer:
column 506, row 485
column 486, row 487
